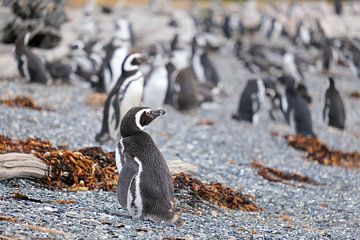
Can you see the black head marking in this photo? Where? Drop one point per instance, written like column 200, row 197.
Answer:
column 137, row 118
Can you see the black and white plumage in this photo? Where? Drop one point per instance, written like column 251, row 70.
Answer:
column 250, row 100
column 156, row 81
column 115, row 53
column 145, row 186
column 202, row 66
column 334, row 110
column 291, row 67
column 85, row 63
column 127, row 93
column 297, row 113
column 30, row 65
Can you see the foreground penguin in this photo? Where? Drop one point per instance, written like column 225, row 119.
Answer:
column 127, row 93
column 145, row 186
column 297, row 113
column 250, row 100
column 334, row 110
column 30, row 66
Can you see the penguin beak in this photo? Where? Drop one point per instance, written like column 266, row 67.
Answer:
column 141, row 59
column 156, row 113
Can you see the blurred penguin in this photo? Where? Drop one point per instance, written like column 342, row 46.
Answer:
column 334, row 110
column 156, row 81
column 30, row 65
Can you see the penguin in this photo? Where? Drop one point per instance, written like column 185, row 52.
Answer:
column 327, row 55
column 185, row 96
column 115, row 53
column 276, row 100
column 145, row 186
column 123, row 31
column 127, row 93
column 83, row 64
column 250, row 100
column 287, row 80
column 59, row 70
column 290, row 67
column 203, row 68
column 334, row 110
column 156, row 82
column 303, row 34
column 30, row 65
column 297, row 113
column 226, row 28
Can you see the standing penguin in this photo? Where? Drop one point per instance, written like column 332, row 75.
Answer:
column 127, row 93
column 115, row 53
column 156, row 82
column 30, row 66
column 145, row 186
column 297, row 113
column 334, row 110
column 250, row 100
column 202, row 66
column 291, row 67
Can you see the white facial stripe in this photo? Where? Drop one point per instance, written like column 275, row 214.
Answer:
column 27, row 38
column 128, row 65
column 138, row 116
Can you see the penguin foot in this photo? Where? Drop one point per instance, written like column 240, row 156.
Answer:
column 177, row 220
column 235, row 117
column 102, row 137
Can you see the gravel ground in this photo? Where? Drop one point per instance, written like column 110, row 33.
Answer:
column 222, row 151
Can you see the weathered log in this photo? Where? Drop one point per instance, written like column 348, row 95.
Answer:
column 18, row 165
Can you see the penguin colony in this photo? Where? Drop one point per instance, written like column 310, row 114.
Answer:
column 183, row 76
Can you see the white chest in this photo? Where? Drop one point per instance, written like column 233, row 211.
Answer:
column 198, row 68
column 156, row 88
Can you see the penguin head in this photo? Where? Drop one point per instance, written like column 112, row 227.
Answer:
column 331, row 82
column 137, row 118
column 132, row 62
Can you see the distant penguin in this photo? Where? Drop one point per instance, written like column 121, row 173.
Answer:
column 185, row 95
column 156, row 81
column 250, row 100
column 145, row 186
column 30, row 65
column 226, row 28
column 338, row 7
column 115, row 53
column 290, row 67
column 123, row 31
column 127, row 93
column 327, row 55
column 59, row 70
column 303, row 34
column 83, row 65
column 297, row 113
column 334, row 110
column 202, row 66
column 287, row 80
column 182, row 91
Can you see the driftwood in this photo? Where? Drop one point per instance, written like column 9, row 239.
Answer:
column 17, row 165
